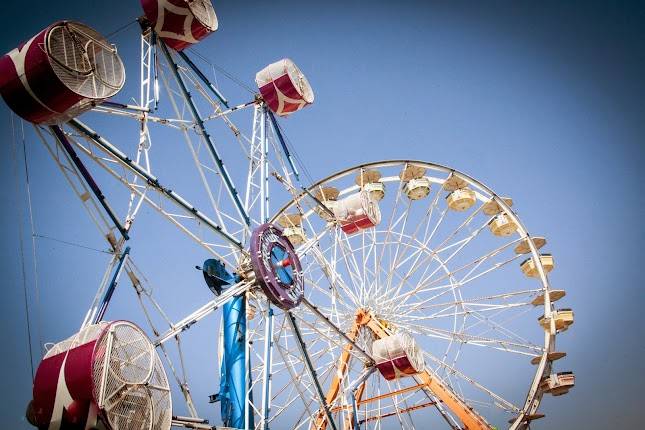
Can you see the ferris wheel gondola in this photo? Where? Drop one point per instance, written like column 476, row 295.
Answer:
column 349, row 307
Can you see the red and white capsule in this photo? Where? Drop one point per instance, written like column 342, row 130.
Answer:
column 397, row 356
column 356, row 212
column 59, row 73
column 181, row 23
column 284, row 88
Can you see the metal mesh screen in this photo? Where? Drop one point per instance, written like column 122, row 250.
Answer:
column 299, row 81
column 88, row 334
column 130, row 384
column 204, row 12
column 84, row 61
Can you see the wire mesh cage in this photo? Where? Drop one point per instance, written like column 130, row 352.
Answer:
column 181, row 23
column 60, row 73
column 107, row 375
column 284, row 87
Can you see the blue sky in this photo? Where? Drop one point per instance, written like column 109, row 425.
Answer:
column 542, row 102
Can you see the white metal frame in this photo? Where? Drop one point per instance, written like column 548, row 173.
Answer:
column 347, row 273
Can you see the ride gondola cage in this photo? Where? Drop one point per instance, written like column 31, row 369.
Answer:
column 59, row 73
column 284, row 88
column 559, row 383
column 397, row 356
column 181, row 23
column 416, row 185
column 292, row 228
column 106, row 376
column 357, row 212
column 461, row 197
column 369, row 180
column 328, row 196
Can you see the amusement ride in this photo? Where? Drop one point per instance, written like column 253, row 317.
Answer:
column 392, row 294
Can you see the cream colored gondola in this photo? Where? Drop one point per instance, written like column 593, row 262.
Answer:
column 554, row 296
column 328, row 196
column 551, row 356
column 529, row 267
column 416, row 186
column 562, row 318
column 370, row 181
column 559, row 383
column 524, row 248
column 502, row 225
column 292, row 224
column 528, row 418
column 491, row 207
column 461, row 199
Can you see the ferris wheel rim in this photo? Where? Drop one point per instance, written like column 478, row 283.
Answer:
column 534, row 395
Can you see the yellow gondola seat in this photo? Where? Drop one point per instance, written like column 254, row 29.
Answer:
column 328, row 196
column 530, row 269
column 491, row 207
column 502, row 225
column 417, row 188
column 461, row 199
column 563, row 318
column 376, row 190
column 524, row 248
column 554, row 296
column 558, row 383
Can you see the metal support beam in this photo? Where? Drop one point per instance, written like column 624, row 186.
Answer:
column 264, row 165
column 400, row 411
column 202, row 312
column 352, row 392
column 318, row 202
column 125, row 106
column 310, row 368
column 469, row 417
column 203, row 77
column 367, row 357
column 276, row 130
column 105, row 301
column 268, row 350
column 62, row 139
column 233, row 382
column 152, row 180
column 209, row 142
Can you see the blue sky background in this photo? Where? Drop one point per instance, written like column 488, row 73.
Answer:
column 541, row 101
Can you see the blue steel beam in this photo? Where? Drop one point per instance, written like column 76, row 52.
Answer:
column 310, row 368
column 203, row 77
column 105, row 301
column 60, row 136
column 276, row 130
column 233, row 372
column 151, row 180
column 202, row 128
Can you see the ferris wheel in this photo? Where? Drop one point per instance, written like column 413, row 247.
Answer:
column 392, row 294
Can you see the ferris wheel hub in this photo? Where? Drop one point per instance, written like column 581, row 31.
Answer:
column 276, row 266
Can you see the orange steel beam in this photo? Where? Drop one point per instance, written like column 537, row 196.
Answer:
column 389, row 414
column 349, row 419
column 381, row 397
column 470, row 419
column 320, row 422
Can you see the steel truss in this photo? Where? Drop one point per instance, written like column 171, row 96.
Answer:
column 397, row 276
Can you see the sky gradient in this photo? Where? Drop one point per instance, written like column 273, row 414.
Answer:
column 541, row 101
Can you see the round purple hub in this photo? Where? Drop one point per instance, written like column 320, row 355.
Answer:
column 276, row 266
